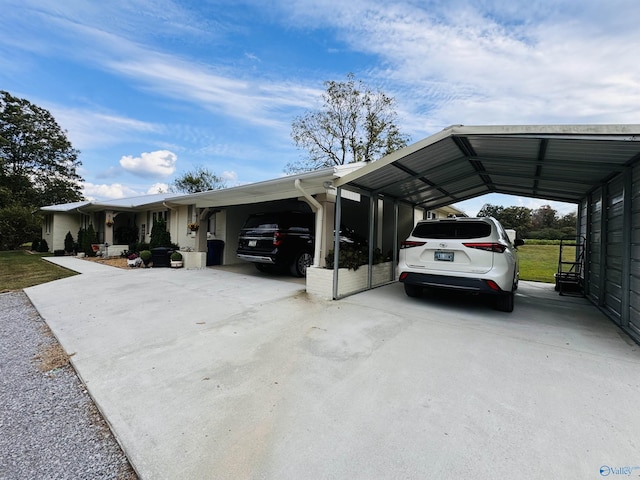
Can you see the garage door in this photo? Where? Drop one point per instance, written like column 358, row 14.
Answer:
column 615, row 248
column 594, row 246
column 634, row 294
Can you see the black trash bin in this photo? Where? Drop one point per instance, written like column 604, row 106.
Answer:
column 161, row 256
column 214, row 252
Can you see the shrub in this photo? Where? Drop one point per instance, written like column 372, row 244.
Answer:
column 89, row 239
column 176, row 256
column 68, row 243
column 35, row 244
column 43, row 246
column 145, row 255
column 160, row 237
column 138, row 247
column 353, row 258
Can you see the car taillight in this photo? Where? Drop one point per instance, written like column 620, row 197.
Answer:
column 493, row 285
column 277, row 238
column 411, row 243
column 488, row 246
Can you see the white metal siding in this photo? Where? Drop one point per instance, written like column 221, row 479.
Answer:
column 634, row 287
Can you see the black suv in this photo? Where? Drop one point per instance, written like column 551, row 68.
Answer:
column 278, row 241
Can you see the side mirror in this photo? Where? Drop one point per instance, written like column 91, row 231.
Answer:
column 518, row 242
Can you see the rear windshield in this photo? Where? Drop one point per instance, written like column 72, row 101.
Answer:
column 261, row 221
column 289, row 221
column 452, row 230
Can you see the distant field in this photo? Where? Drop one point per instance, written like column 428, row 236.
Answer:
column 538, row 263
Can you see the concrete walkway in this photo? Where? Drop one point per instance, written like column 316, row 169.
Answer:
column 213, row 374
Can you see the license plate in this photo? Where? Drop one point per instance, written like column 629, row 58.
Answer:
column 252, row 243
column 444, row 256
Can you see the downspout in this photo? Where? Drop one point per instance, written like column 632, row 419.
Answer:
column 319, row 221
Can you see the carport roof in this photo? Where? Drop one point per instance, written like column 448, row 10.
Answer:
column 555, row 162
column 314, row 183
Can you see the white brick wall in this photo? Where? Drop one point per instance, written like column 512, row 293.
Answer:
column 320, row 280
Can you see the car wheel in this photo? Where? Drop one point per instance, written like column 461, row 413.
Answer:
column 300, row 264
column 504, row 302
column 411, row 290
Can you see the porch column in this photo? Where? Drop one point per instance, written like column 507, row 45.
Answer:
column 108, row 226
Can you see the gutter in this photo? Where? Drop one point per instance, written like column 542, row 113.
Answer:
column 319, row 221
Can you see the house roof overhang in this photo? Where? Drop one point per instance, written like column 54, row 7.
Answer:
column 313, row 183
column 555, row 162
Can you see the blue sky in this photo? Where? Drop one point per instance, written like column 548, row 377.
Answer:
column 150, row 89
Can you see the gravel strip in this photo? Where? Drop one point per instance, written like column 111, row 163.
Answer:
column 50, row 427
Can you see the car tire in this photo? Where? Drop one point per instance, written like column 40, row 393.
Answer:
column 300, row 263
column 411, row 290
column 504, row 302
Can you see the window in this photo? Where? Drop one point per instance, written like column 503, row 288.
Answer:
column 452, row 230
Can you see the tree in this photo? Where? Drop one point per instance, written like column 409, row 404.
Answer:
column 199, row 180
column 517, row 218
column 37, row 167
column 17, row 226
column 37, row 162
column 489, row 210
column 544, row 217
column 355, row 124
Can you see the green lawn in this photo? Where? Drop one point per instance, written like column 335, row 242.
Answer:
column 538, row 263
column 20, row 269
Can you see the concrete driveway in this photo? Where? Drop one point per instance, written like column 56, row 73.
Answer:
column 214, row 374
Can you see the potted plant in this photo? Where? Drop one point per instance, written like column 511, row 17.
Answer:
column 134, row 260
column 145, row 255
column 176, row 260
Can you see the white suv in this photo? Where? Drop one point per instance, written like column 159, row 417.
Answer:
column 466, row 254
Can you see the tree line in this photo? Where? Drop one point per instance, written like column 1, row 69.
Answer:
column 539, row 223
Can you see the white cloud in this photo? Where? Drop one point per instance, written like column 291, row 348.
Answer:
column 158, row 188
column 230, row 177
column 160, row 163
column 90, row 129
column 116, row 190
column 492, row 62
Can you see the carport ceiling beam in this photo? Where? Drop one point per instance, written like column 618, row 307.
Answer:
column 467, row 150
column 542, row 153
column 412, row 176
column 568, row 164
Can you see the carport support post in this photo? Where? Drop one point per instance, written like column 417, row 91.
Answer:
column 336, row 241
column 373, row 206
column 396, row 215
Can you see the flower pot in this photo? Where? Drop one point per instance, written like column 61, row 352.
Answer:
column 176, row 263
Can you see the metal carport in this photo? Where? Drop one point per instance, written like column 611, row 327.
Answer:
column 596, row 167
